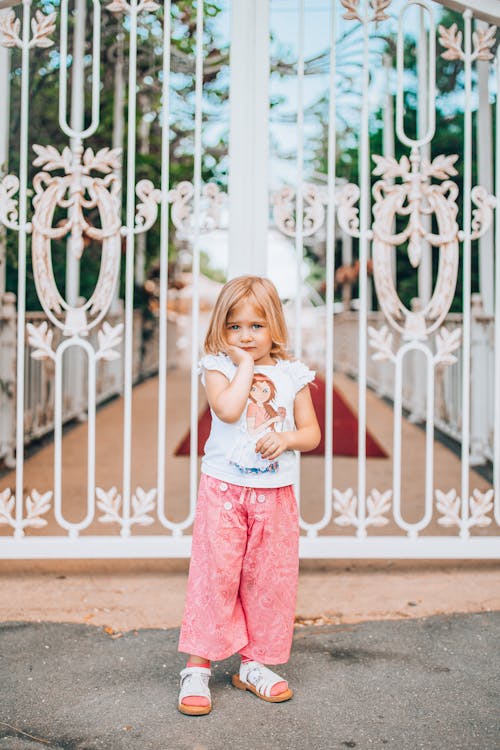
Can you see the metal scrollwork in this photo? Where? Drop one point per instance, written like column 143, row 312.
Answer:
column 9, row 186
column 76, row 190
column 415, row 198
column 284, row 210
column 181, row 198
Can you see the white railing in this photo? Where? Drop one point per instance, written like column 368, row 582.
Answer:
column 448, row 384
column 39, row 376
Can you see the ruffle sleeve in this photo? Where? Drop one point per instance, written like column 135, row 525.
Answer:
column 300, row 374
column 220, row 362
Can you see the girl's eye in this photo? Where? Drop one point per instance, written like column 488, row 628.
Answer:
column 257, row 325
column 233, row 327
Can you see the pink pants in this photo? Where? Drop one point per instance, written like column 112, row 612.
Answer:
column 242, row 586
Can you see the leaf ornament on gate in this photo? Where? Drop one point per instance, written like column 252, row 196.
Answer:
column 41, row 25
column 381, row 341
column 446, row 343
column 449, row 505
column 143, row 503
column 36, row 506
column 377, row 505
column 121, row 6
column 482, row 39
column 108, row 338
column 40, row 338
column 353, row 11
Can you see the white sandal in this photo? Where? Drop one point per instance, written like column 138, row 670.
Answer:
column 260, row 680
column 194, row 682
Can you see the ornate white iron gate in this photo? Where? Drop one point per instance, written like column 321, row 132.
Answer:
column 416, row 188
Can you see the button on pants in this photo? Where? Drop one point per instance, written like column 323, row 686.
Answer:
column 242, row 586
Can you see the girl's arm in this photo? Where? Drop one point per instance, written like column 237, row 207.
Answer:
column 306, row 437
column 228, row 399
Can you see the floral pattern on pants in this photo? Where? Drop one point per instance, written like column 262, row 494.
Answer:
column 242, row 586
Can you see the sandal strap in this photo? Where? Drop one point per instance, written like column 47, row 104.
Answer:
column 262, row 678
column 194, row 681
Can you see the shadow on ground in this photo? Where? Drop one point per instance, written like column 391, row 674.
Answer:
column 430, row 683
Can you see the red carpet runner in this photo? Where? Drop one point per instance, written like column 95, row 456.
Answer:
column 345, row 427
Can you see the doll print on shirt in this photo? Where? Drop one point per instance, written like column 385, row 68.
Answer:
column 259, row 418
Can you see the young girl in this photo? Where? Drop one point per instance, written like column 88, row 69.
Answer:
column 243, row 574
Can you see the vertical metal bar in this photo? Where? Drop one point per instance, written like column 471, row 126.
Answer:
column 467, row 183
column 117, row 138
column 21, row 273
column 77, row 125
column 96, row 68
column 163, row 344
column 299, row 208
column 313, row 528
column 409, row 349
column 4, row 144
column 195, row 298
column 484, row 151
column 129, row 270
column 363, row 288
column 388, row 148
column 75, row 342
column 496, row 433
column 330, row 271
column 425, row 267
column 426, row 137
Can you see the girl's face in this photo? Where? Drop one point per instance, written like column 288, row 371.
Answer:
column 247, row 329
column 260, row 392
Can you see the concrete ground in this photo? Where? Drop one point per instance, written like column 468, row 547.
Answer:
column 425, row 684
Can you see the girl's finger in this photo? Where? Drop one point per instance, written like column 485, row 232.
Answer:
column 269, row 451
column 263, row 444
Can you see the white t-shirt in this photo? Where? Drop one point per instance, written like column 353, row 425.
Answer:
column 230, row 449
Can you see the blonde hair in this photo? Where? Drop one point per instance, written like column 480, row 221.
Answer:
column 264, row 295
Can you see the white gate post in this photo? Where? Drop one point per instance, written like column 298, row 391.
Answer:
column 248, row 140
